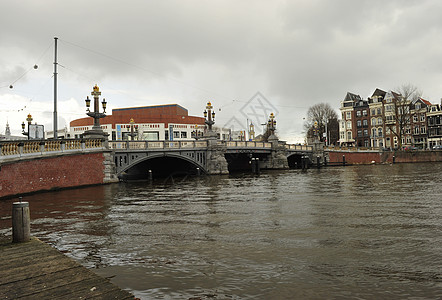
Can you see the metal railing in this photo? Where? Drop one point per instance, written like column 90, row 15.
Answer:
column 43, row 147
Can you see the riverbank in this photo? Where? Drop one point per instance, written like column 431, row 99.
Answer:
column 365, row 157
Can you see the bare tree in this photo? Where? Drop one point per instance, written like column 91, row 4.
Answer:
column 398, row 110
column 327, row 120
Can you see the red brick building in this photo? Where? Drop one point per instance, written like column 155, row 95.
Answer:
column 160, row 122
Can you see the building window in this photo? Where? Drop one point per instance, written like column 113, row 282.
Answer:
column 365, row 122
column 379, row 121
column 422, row 118
column 379, row 111
column 348, row 125
column 176, row 134
column 348, row 115
column 373, row 122
column 348, row 135
column 359, row 123
column 183, row 134
column 358, row 113
column 359, row 133
column 367, row 143
column 423, row 130
column 373, row 112
column 414, row 118
column 365, row 132
column 166, row 135
column 364, row 112
column 373, row 132
column 380, row 132
column 416, row 130
column 389, row 118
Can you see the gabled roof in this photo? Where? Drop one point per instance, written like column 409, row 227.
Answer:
column 425, row 101
column 352, row 97
column 379, row 93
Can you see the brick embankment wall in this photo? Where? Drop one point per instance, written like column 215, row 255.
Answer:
column 336, row 157
column 360, row 157
column 46, row 173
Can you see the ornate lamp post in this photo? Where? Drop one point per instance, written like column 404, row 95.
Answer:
column 132, row 133
column 209, row 115
column 195, row 132
column 29, row 120
column 96, row 130
column 272, row 124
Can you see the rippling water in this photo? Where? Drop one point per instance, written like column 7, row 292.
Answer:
column 360, row 232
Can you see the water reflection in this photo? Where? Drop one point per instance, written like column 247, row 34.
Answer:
column 356, row 232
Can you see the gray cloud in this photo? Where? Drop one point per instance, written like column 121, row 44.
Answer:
column 297, row 53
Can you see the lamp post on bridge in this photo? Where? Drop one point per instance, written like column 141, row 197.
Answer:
column 271, row 126
column 29, row 120
column 209, row 116
column 96, row 131
column 132, row 134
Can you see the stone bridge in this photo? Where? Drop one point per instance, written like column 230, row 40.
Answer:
column 29, row 166
column 209, row 156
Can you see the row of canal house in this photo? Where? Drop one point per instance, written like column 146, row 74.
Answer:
column 373, row 122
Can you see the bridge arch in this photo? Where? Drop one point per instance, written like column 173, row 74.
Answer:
column 294, row 159
column 161, row 163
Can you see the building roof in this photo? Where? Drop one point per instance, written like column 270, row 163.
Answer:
column 169, row 113
column 425, row 101
column 351, row 97
column 379, row 93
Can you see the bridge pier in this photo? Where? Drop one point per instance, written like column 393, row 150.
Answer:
column 319, row 154
column 278, row 157
column 216, row 160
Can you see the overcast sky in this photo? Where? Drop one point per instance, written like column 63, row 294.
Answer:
column 294, row 53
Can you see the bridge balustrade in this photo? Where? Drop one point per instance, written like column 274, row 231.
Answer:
column 10, row 149
column 39, row 147
column 155, row 145
column 249, row 144
column 140, row 145
column 50, row 146
column 72, row 144
column 31, row 147
column 299, row 147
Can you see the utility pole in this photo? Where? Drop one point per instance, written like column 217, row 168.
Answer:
column 55, row 90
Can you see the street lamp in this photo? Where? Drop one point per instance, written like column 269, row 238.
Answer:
column 96, row 114
column 29, row 120
column 271, row 124
column 209, row 115
column 132, row 133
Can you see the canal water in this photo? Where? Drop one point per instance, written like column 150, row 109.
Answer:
column 357, row 232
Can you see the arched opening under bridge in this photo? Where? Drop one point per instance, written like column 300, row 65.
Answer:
column 161, row 167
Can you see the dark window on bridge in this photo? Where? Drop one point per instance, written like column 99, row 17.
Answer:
column 176, row 134
column 183, row 134
column 114, row 135
column 166, row 135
